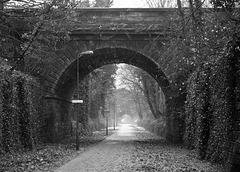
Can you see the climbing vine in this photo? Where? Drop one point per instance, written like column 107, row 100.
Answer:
column 21, row 112
column 210, row 108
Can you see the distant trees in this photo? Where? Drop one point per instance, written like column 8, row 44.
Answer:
column 145, row 91
column 102, row 87
column 160, row 3
column 103, row 3
column 33, row 28
column 202, row 61
column 130, row 79
column 95, row 3
column 172, row 4
column 97, row 88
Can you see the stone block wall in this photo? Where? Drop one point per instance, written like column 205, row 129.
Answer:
column 233, row 164
column 58, row 119
column 173, row 130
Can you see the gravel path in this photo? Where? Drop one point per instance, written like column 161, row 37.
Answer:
column 132, row 148
column 106, row 155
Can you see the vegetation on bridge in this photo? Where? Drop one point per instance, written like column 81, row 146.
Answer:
column 30, row 30
column 21, row 119
column 201, row 62
column 211, row 105
column 211, row 112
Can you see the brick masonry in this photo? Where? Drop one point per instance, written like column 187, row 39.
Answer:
column 131, row 36
column 126, row 36
column 234, row 138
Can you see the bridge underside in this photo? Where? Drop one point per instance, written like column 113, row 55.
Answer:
column 105, row 56
column 60, row 74
column 135, row 37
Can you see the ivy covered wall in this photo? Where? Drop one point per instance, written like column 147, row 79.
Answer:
column 212, row 109
column 21, row 113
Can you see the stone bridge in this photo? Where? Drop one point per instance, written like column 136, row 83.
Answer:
column 131, row 36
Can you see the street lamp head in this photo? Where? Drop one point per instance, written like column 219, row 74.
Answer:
column 85, row 52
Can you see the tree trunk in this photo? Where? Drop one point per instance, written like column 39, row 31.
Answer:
column 150, row 103
column 1, row 6
column 138, row 107
column 181, row 15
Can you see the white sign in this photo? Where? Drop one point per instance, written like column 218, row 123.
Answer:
column 77, row 101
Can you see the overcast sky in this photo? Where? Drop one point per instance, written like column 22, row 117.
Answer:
column 129, row 4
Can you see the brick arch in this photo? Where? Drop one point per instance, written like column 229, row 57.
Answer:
column 60, row 80
column 100, row 57
column 135, row 52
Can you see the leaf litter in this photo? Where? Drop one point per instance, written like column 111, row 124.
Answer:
column 154, row 154
column 46, row 158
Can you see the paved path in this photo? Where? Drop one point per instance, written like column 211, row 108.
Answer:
column 106, row 155
column 133, row 149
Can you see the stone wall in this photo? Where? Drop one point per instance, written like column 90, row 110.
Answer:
column 234, row 142
column 58, row 119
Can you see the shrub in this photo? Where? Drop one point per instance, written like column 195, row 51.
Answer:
column 21, row 111
column 211, row 106
column 156, row 126
column 224, row 92
column 190, row 112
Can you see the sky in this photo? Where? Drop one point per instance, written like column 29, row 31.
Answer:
column 129, row 4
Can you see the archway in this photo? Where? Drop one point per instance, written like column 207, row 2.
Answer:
column 59, row 125
column 100, row 57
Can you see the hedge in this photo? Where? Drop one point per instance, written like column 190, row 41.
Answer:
column 210, row 108
column 156, row 126
column 224, row 92
column 198, row 110
column 21, row 111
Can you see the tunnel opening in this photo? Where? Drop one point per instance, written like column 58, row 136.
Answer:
column 67, row 82
column 100, row 57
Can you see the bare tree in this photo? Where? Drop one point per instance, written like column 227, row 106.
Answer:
column 129, row 80
column 160, row 3
column 144, row 86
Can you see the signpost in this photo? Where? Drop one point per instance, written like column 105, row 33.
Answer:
column 114, row 118
column 78, row 101
column 78, row 107
column 106, row 113
column 77, row 122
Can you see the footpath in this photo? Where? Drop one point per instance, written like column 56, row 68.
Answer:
column 106, row 155
column 132, row 148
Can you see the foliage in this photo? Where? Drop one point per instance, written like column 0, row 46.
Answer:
column 130, row 80
column 21, row 123
column 211, row 93
column 211, row 105
column 102, row 88
column 125, row 104
column 156, row 154
column 96, row 90
column 34, row 28
column 103, row 3
column 47, row 157
column 224, row 93
column 145, row 90
column 160, row 3
column 157, row 126
column 228, row 4
column 198, row 110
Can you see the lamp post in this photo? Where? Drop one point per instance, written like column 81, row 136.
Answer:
column 115, row 124
column 78, row 101
column 106, row 113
